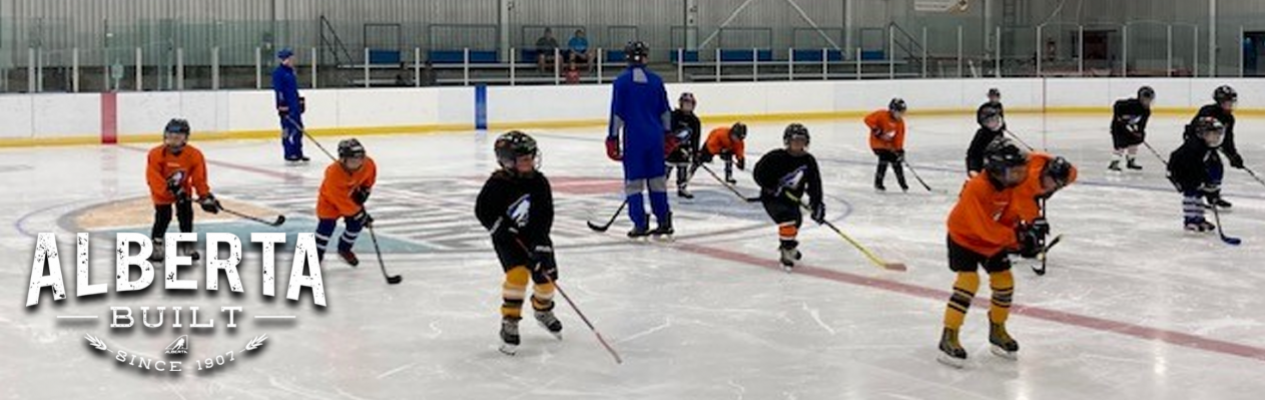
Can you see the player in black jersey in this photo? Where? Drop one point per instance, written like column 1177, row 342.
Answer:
column 784, row 175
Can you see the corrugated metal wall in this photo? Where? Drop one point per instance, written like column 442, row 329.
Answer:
column 108, row 31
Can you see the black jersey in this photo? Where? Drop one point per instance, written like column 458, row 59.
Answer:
column 1227, row 119
column 1129, row 116
column 688, row 120
column 523, row 203
column 1189, row 165
column 779, row 171
column 975, row 153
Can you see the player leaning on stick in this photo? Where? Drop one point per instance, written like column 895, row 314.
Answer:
column 175, row 171
column 983, row 229
column 1195, row 169
column 887, row 140
column 728, row 142
column 1128, row 127
column 516, row 206
column 344, row 191
column 784, row 175
column 1223, row 111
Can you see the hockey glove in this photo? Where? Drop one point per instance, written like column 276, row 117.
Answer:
column 362, row 218
column 283, row 110
column 1030, row 240
column 670, row 143
column 1236, row 160
column 900, row 156
column 209, row 204
column 302, row 104
column 542, row 260
column 612, row 149
column 742, row 164
column 705, row 157
column 360, row 195
column 176, row 188
column 819, row 213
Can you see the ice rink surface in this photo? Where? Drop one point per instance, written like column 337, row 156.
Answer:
column 1132, row 307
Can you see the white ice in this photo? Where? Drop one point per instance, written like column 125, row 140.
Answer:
column 1132, row 307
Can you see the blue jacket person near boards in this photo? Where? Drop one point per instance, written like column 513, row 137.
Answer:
column 290, row 107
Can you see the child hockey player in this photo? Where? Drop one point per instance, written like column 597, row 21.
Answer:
column 1223, row 112
column 993, row 103
column 982, row 233
column 991, row 128
column 639, row 110
column 687, row 129
column 344, row 191
column 516, row 206
column 175, row 171
column 887, row 139
column 784, row 175
column 1195, row 169
column 1128, row 127
column 728, row 142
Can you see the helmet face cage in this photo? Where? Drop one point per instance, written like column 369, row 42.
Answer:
column 176, row 128
column 1001, row 157
column 1225, row 94
column 636, row 52
column 1058, row 170
column 1212, row 132
column 994, row 93
column 514, row 144
column 896, row 105
column 796, row 131
column 1146, row 92
column 739, row 131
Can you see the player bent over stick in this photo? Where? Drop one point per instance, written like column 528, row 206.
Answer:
column 343, row 194
column 987, row 224
column 784, row 175
column 175, row 169
column 516, row 206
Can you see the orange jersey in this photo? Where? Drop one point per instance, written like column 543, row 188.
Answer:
column 163, row 164
column 719, row 140
column 882, row 122
column 1026, row 208
column 335, row 197
column 977, row 222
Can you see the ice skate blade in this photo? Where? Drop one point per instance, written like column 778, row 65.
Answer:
column 951, row 361
column 509, row 349
column 1000, row 352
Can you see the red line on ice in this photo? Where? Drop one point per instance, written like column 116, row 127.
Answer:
column 1062, row 317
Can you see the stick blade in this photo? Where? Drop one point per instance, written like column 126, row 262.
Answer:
column 596, row 227
column 281, row 219
column 1233, row 241
column 895, row 266
column 395, row 280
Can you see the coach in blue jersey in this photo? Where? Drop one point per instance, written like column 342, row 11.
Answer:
column 639, row 108
column 289, row 106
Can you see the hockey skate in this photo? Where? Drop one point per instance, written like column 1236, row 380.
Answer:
column 1133, row 164
column 349, row 257
column 683, row 192
column 159, row 251
column 1115, row 166
column 789, row 257
column 1200, row 226
column 639, row 233
column 665, row 231
column 509, row 336
column 189, row 249
column 1004, row 346
column 951, row 351
column 547, row 320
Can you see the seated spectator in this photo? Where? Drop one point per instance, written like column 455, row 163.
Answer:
column 545, row 47
column 579, row 49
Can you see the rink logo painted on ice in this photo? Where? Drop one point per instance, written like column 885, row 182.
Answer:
column 134, row 272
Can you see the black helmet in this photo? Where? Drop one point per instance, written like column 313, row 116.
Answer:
column 177, row 125
column 1205, row 125
column 1060, row 170
column 1225, row 93
column 350, row 148
column 1002, row 154
column 739, row 129
column 636, row 52
column 993, row 92
column 794, row 131
column 1146, row 92
column 987, row 113
column 513, row 144
column 687, row 96
column 897, row 104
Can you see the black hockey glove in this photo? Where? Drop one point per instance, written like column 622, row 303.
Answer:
column 175, row 186
column 210, row 204
column 819, row 212
column 1236, row 160
column 363, row 218
column 360, row 195
column 742, row 164
column 1032, row 238
column 542, row 260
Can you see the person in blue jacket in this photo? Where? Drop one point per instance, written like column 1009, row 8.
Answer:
column 640, row 110
column 289, row 106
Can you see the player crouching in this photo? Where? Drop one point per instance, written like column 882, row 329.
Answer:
column 1195, row 168
column 343, row 194
column 728, row 142
column 784, row 175
column 175, row 169
column 516, row 206
column 982, row 232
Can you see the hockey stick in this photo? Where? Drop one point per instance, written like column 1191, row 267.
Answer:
column 1043, row 255
column 1157, row 155
column 603, row 228
column 728, row 186
column 891, row 266
column 312, row 138
column 281, row 219
column 1233, row 241
column 915, row 173
column 600, row 339
column 394, row 280
column 1020, row 140
column 1254, row 175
